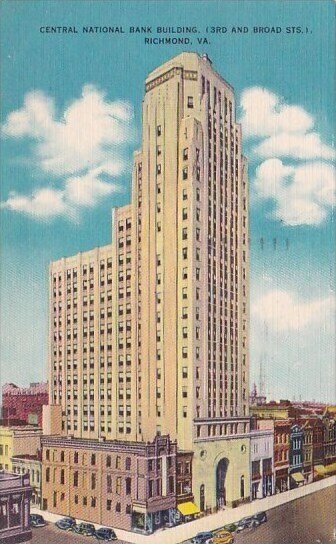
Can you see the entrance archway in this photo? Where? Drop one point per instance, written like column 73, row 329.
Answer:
column 221, row 472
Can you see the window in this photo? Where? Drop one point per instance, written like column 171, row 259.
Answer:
column 62, row 476
column 128, row 483
column 158, row 150
column 158, row 169
column 185, row 173
column 158, row 130
column 108, row 461
column 47, row 474
column 108, row 505
column 190, row 101
column 93, row 459
column 62, row 456
column 76, row 457
column 118, row 485
column 75, row 479
column 118, row 461
column 128, row 463
column 185, row 153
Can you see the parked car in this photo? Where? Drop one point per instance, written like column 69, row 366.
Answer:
column 85, row 529
column 201, row 538
column 36, row 520
column 232, row 527
column 104, row 533
column 261, row 517
column 221, row 537
column 66, row 524
column 245, row 523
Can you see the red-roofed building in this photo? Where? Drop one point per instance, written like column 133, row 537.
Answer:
column 24, row 403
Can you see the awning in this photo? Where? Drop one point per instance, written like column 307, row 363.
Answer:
column 188, row 508
column 298, row 477
column 330, row 468
column 319, row 469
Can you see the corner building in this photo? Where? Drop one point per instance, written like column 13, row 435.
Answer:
column 175, row 361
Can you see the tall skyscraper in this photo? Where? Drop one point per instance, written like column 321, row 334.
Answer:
column 168, row 354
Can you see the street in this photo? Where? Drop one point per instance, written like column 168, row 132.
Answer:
column 52, row 535
column 310, row 520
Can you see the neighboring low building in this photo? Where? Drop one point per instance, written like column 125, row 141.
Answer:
column 15, row 494
column 24, row 403
column 128, row 485
column 275, row 410
column 281, row 454
column 32, row 465
column 18, row 441
column 295, row 469
column 262, row 461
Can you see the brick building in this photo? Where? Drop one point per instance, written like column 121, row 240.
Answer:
column 24, row 403
column 128, row 485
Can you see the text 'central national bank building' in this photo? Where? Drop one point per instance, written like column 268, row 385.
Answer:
column 149, row 335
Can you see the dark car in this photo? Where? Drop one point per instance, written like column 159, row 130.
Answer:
column 85, row 529
column 104, row 533
column 261, row 517
column 36, row 520
column 201, row 538
column 232, row 527
column 66, row 524
column 245, row 523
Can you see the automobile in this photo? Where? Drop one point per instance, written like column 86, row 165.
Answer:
column 201, row 538
column 36, row 520
column 221, row 537
column 85, row 529
column 66, row 524
column 245, row 523
column 104, row 533
column 232, row 527
column 261, row 517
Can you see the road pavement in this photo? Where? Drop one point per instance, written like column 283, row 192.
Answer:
column 310, row 520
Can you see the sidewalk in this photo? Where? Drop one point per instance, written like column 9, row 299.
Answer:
column 178, row 534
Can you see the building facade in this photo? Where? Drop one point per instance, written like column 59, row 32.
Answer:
column 149, row 336
column 262, row 459
column 128, row 485
column 296, row 456
column 281, row 454
column 18, row 441
column 31, row 465
column 24, row 403
column 15, row 494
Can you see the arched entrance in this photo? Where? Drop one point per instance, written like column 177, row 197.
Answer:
column 221, row 472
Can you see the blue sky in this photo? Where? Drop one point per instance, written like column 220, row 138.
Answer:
column 57, row 198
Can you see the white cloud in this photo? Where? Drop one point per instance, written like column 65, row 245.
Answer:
column 265, row 114
column 44, row 203
column 286, row 130
column 296, row 146
column 283, row 311
column 87, row 134
column 84, row 148
column 302, row 195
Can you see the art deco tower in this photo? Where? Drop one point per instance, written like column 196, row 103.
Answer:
column 190, row 209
